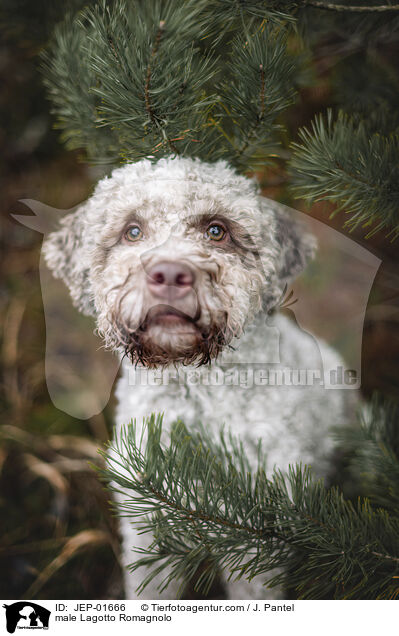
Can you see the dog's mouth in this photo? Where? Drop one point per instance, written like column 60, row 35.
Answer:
column 170, row 319
column 170, row 336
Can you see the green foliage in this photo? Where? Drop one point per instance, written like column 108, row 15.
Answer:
column 351, row 158
column 274, row 10
column 221, row 18
column 258, row 87
column 155, row 107
column 134, row 80
column 139, row 79
column 205, row 506
column 69, row 87
column 342, row 162
column 375, row 447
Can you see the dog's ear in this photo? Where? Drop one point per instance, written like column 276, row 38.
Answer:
column 296, row 246
column 67, row 257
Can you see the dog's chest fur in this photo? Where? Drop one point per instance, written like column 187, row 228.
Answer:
column 231, row 392
column 293, row 422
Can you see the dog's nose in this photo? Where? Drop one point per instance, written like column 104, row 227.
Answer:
column 170, row 280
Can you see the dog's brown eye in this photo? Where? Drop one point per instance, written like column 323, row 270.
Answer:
column 133, row 233
column 215, row 232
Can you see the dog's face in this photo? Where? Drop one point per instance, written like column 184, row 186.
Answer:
column 176, row 283
column 174, row 259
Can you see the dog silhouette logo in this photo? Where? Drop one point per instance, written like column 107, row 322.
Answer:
column 26, row 615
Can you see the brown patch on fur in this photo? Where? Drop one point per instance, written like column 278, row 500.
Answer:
column 143, row 351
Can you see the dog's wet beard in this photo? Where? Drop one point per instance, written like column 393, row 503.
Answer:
column 141, row 350
column 139, row 347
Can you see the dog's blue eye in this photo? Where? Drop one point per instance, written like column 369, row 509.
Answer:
column 133, row 233
column 215, row 232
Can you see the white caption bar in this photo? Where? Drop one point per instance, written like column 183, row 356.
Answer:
column 181, row 617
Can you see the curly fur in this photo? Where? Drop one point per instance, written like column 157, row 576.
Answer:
column 236, row 285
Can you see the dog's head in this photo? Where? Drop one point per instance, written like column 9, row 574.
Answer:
column 174, row 259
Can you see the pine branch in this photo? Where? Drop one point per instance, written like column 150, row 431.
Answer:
column 129, row 81
column 69, row 84
column 340, row 162
column 160, row 95
column 258, row 87
column 375, row 449
column 330, row 6
column 132, row 63
column 148, row 101
column 252, row 130
column 224, row 17
column 148, row 76
column 204, row 505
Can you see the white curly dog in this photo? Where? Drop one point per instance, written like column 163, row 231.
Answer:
column 182, row 264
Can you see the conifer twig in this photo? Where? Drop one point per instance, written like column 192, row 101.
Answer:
column 260, row 115
column 201, row 501
column 148, row 105
column 330, row 6
column 154, row 51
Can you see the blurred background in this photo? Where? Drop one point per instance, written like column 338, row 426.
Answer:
column 58, row 536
